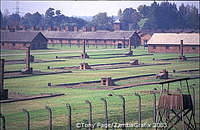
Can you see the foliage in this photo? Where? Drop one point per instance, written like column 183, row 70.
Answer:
column 157, row 16
column 102, row 21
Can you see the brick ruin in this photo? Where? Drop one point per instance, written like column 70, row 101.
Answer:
column 162, row 75
column 3, row 92
column 107, row 81
column 134, row 62
column 84, row 66
column 28, row 69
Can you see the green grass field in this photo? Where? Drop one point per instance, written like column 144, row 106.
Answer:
column 15, row 118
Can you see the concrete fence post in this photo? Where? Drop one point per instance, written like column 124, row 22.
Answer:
column 139, row 108
column 50, row 117
column 193, row 97
column 154, row 106
column 124, row 110
column 69, row 116
column 90, row 113
column 106, row 111
column 3, row 121
column 27, row 117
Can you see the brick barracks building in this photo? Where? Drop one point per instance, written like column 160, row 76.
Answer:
column 170, row 43
column 22, row 40
column 118, row 38
column 70, row 36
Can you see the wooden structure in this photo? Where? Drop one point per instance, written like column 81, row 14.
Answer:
column 175, row 108
column 107, row 81
column 22, row 40
column 170, row 43
column 84, row 66
column 3, row 92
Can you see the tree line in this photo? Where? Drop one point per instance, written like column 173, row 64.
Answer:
column 162, row 16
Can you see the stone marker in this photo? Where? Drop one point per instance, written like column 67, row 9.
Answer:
column 107, row 81
column 3, row 92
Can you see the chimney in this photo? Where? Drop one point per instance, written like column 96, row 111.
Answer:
column 41, row 28
column 58, row 29
column 66, row 28
column 34, row 28
column 117, row 25
column 7, row 27
column 93, row 28
column 50, row 28
column 75, row 29
column 85, row 29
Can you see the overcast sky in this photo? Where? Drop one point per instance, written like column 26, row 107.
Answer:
column 77, row 8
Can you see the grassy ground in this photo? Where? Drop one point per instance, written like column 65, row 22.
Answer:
column 15, row 118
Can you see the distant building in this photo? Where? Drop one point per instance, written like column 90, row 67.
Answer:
column 145, row 37
column 170, row 43
column 93, row 38
column 22, row 40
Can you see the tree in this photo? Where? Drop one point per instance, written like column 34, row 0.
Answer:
column 129, row 19
column 119, row 14
column 13, row 20
column 49, row 14
column 102, row 21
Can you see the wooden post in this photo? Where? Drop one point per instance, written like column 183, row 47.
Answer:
column 3, row 92
column 2, row 76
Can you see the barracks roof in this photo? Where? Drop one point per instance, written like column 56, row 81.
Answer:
column 175, row 38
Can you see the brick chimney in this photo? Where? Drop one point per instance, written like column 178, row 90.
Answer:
column 66, row 28
column 58, row 29
column 75, row 29
column 50, row 29
column 93, row 29
column 85, row 29
column 117, row 25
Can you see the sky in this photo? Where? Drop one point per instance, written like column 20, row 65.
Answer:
column 77, row 8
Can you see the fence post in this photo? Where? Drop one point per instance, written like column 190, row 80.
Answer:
column 28, row 118
column 154, row 106
column 90, row 113
column 106, row 111
column 50, row 117
column 193, row 96
column 69, row 116
column 124, row 110
column 4, row 121
column 139, row 109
